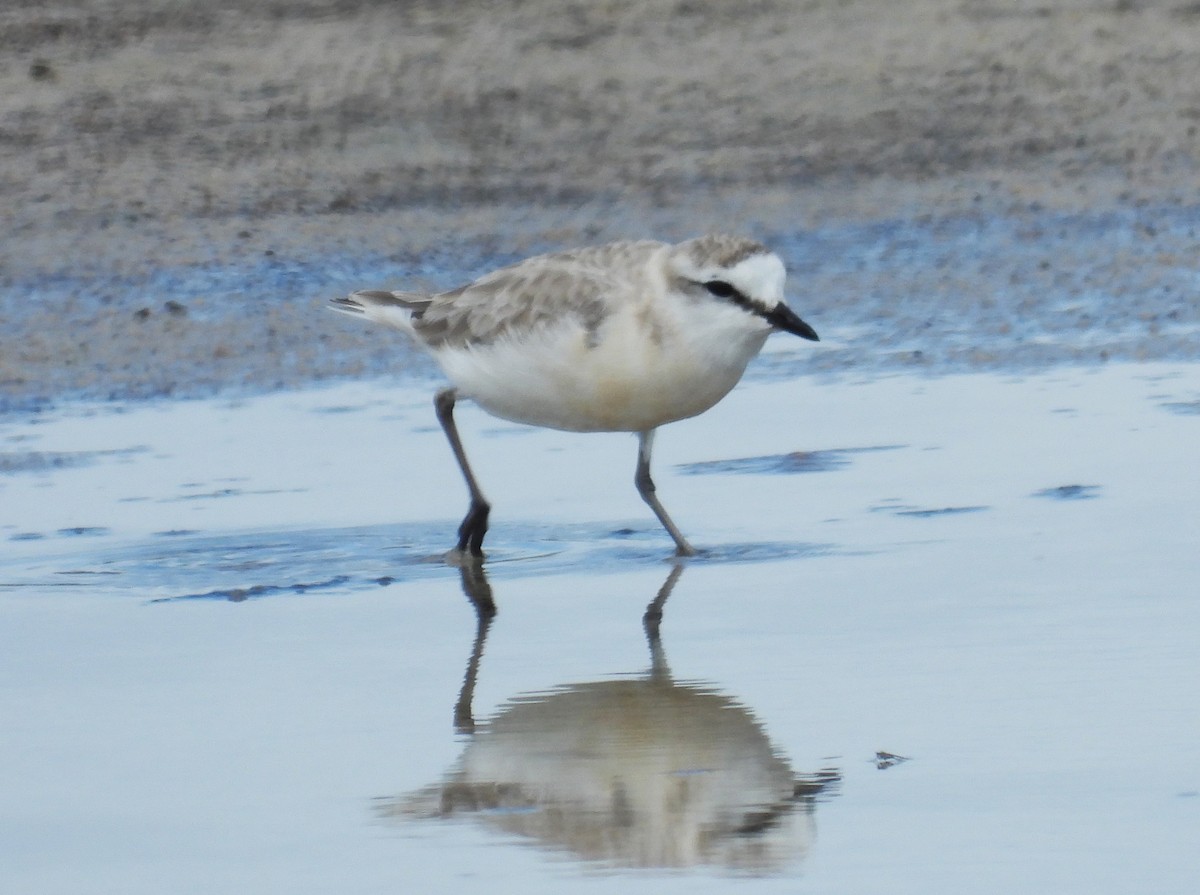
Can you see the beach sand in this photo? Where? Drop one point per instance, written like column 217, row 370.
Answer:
column 942, row 634
column 185, row 184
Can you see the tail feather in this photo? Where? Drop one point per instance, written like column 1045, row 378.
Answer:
column 396, row 309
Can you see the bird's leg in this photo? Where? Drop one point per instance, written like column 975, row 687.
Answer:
column 652, row 618
column 475, row 585
column 645, row 486
column 475, row 523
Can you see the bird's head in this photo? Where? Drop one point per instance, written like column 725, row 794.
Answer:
column 741, row 272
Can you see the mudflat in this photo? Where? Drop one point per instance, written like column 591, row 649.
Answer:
column 177, row 177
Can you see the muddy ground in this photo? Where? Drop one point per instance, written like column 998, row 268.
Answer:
column 184, row 183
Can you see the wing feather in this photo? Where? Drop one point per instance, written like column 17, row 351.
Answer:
column 579, row 285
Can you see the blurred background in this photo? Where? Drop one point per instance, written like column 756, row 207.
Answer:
column 185, row 183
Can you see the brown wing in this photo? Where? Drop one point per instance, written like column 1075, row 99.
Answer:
column 580, row 285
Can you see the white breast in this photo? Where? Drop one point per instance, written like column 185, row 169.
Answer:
column 648, row 364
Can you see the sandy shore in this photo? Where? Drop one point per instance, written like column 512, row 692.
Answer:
column 183, row 185
column 231, row 640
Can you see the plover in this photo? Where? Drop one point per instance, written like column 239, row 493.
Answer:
column 622, row 337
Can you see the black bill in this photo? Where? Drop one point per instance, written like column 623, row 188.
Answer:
column 784, row 318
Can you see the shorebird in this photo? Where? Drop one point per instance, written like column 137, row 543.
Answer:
column 624, row 337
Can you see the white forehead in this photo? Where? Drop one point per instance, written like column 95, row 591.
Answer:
column 753, row 270
column 758, row 276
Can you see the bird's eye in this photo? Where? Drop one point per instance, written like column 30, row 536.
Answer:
column 720, row 288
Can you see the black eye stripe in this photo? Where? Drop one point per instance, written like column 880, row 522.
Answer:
column 722, row 289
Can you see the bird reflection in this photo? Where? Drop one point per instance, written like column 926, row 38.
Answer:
column 642, row 772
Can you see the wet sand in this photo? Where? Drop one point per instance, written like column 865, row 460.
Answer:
column 185, row 185
column 231, row 655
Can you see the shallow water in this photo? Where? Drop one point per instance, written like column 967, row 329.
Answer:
column 232, row 658
column 964, row 292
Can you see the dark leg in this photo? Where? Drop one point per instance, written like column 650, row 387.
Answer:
column 475, row 585
column 645, row 486
column 652, row 618
column 475, row 524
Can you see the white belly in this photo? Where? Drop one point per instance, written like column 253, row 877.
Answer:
column 637, row 378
